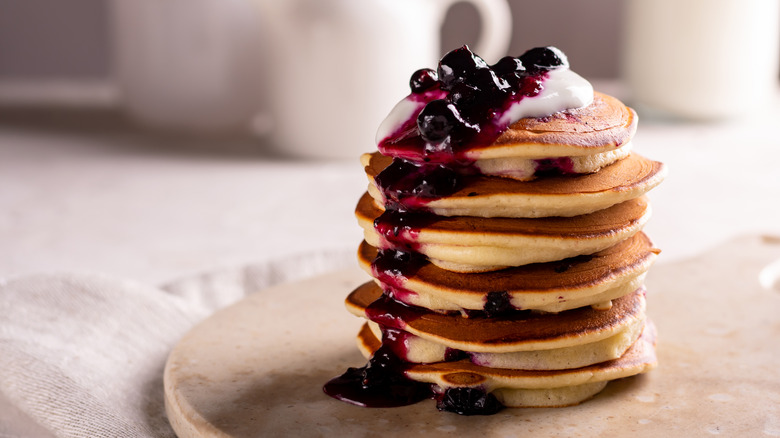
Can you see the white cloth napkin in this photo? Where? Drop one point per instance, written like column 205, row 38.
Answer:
column 82, row 355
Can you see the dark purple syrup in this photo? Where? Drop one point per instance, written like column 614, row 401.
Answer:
column 399, row 228
column 411, row 185
column 393, row 267
column 391, row 313
column 381, row 383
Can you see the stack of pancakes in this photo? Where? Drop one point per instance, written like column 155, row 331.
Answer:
column 524, row 284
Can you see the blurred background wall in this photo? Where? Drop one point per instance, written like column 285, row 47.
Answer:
column 71, row 40
column 56, row 51
column 54, row 39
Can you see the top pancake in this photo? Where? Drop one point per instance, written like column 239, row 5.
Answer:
column 604, row 125
column 562, row 195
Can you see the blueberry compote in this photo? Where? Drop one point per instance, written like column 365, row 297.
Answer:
column 461, row 105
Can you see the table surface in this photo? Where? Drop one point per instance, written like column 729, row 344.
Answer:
column 716, row 374
column 101, row 197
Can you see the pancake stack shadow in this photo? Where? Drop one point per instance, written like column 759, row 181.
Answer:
column 523, row 286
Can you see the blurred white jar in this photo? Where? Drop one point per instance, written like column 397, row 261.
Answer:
column 337, row 67
column 702, row 59
column 188, row 64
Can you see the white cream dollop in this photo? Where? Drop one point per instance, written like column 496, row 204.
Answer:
column 402, row 111
column 563, row 90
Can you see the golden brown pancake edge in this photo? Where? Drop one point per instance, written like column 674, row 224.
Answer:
column 634, row 254
column 522, row 331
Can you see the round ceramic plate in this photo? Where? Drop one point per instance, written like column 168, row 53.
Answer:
column 256, row 369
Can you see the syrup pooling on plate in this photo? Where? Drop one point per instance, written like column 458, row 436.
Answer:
column 381, row 383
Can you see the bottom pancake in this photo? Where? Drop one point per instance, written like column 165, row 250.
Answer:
column 525, row 388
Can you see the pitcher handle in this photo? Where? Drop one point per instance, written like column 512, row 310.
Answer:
column 496, row 28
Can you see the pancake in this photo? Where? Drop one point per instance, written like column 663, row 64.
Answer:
column 473, row 244
column 516, row 331
column 550, row 287
column 524, row 169
column 528, row 388
column 566, row 195
column 602, row 126
column 418, row 350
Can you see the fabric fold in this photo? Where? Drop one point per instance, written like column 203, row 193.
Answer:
column 83, row 354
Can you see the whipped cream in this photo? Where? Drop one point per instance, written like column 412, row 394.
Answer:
column 563, row 90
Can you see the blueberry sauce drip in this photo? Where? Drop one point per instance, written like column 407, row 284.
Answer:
column 400, row 294
column 392, row 268
column 397, row 341
column 391, row 313
column 468, row 401
column 399, row 228
column 381, row 383
column 406, row 184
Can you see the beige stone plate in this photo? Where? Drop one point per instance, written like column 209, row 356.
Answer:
column 257, row 368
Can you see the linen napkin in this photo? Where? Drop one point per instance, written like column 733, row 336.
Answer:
column 82, row 355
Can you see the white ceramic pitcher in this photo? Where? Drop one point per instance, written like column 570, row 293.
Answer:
column 335, row 68
column 702, row 59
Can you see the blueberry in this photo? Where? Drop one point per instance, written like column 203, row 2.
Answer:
column 469, row 401
column 544, row 58
column 458, row 66
column 507, row 66
column 475, row 108
column 423, row 80
column 438, row 119
column 498, row 303
column 488, row 82
column 463, row 95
